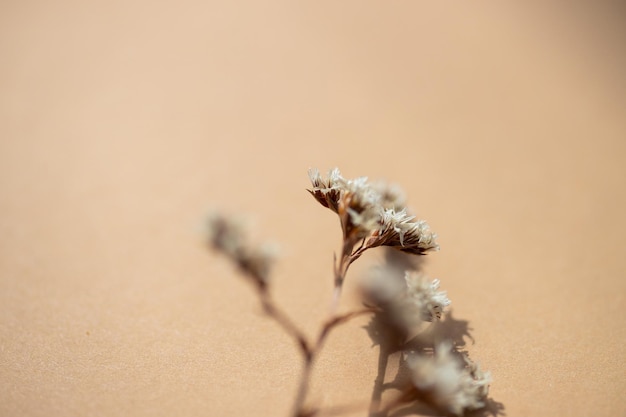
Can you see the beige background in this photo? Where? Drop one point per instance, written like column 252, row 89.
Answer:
column 121, row 122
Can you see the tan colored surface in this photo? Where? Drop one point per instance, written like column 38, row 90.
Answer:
column 121, row 122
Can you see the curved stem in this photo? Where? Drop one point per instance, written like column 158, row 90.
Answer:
column 314, row 351
column 272, row 310
column 341, row 269
column 336, row 321
column 303, row 387
column 311, row 351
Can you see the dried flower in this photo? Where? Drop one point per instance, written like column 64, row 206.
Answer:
column 400, row 299
column 391, row 196
column 374, row 212
column 424, row 295
column 327, row 191
column 407, row 299
column 447, row 383
column 399, row 231
column 226, row 235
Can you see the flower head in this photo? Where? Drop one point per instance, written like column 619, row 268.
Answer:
column 327, row 191
column 358, row 209
column 226, row 234
column 399, row 230
column 425, row 296
column 406, row 298
column 391, row 196
column 449, row 383
column 374, row 212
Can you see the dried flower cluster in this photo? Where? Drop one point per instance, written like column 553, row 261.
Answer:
column 375, row 213
column 424, row 295
column 452, row 384
column 227, row 235
column 408, row 302
column 400, row 300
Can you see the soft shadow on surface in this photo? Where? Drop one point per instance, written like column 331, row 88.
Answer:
column 492, row 408
column 394, row 344
column 390, row 342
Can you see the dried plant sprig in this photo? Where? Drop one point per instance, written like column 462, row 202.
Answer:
column 407, row 303
column 424, row 295
column 227, row 235
column 327, row 191
column 449, row 383
column 370, row 215
column 372, row 210
column 398, row 230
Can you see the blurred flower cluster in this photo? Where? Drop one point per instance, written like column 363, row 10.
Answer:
column 405, row 307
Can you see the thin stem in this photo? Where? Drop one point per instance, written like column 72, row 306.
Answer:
column 309, row 359
column 308, row 353
column 272, row 310
column 340, row 274
column 336, row 321
column 334, row 304
column 360, row 246
column 341, row 269
column 311, row 351
column 303, row 386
